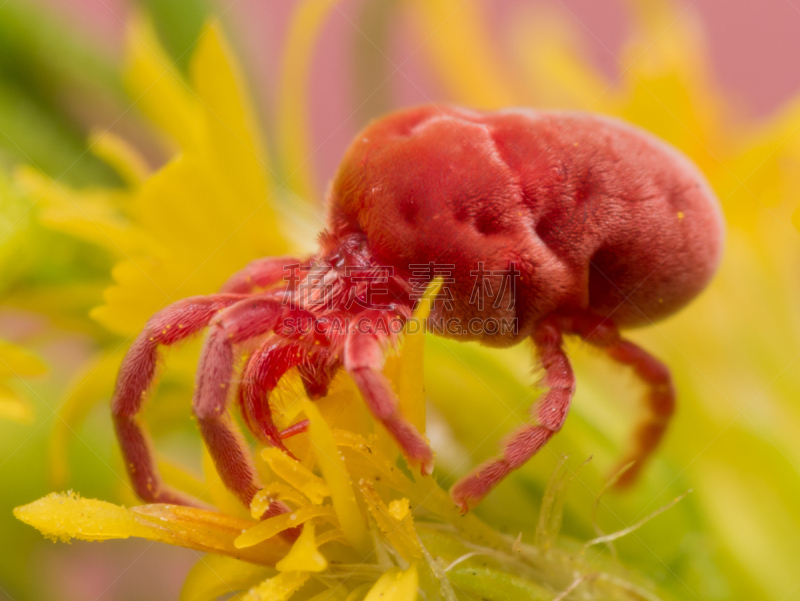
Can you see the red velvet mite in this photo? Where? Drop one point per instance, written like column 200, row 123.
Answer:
column 546, row 223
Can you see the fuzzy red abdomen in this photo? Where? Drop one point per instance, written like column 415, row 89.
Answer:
column 594, row 213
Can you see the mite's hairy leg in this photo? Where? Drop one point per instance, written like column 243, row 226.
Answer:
column 318, row 373
column 363, row 360
column 264, row 370
column 169, row 326
column 549, row 414
column 261, row 376
column 263, row 273
column 660, row 398
column 241, row 322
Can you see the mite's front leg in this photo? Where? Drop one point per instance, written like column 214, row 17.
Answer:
column 264, row 370
column 363, row 360
column 262, row 273
column 169, row 326
column 243, row 321
column 549, row 414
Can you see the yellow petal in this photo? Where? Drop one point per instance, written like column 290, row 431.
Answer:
column 275, row 491
column 405, row 371
column 135, row 297
column 358, row 593
column 296, row 474
column 343, row 407
column 304, row 556
column 334, row 534
column 338, row 593
column 396, row 522
column 368, row 462
column 667, row 81
column 409, row 381
column 763, row 171
column 217, row 575
column 122, row 156
column 334, row 471
column 555, row 66
column 66, row 516
column 17, row 361
column 292, row 119
column 395, row 585
column 209, row 531
column 278, row 588
column 14, row 407
column 456, row 37
column 275, row 525
column 206, row 213
column 205, row 230
column 93, row 215
column 230, row 124
column 156, row 86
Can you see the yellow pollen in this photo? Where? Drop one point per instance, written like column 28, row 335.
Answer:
column 680, row 214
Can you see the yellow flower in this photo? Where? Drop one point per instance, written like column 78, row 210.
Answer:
column 368, row 527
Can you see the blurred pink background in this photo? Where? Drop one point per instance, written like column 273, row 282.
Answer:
column 753, row 47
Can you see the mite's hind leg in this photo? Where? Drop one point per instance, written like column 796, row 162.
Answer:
column 549, row 414
column 660, row 399
column 243, row 321
column 169, row 326
column 363, row 360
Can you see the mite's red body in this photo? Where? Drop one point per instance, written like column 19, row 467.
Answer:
column 603, row 226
